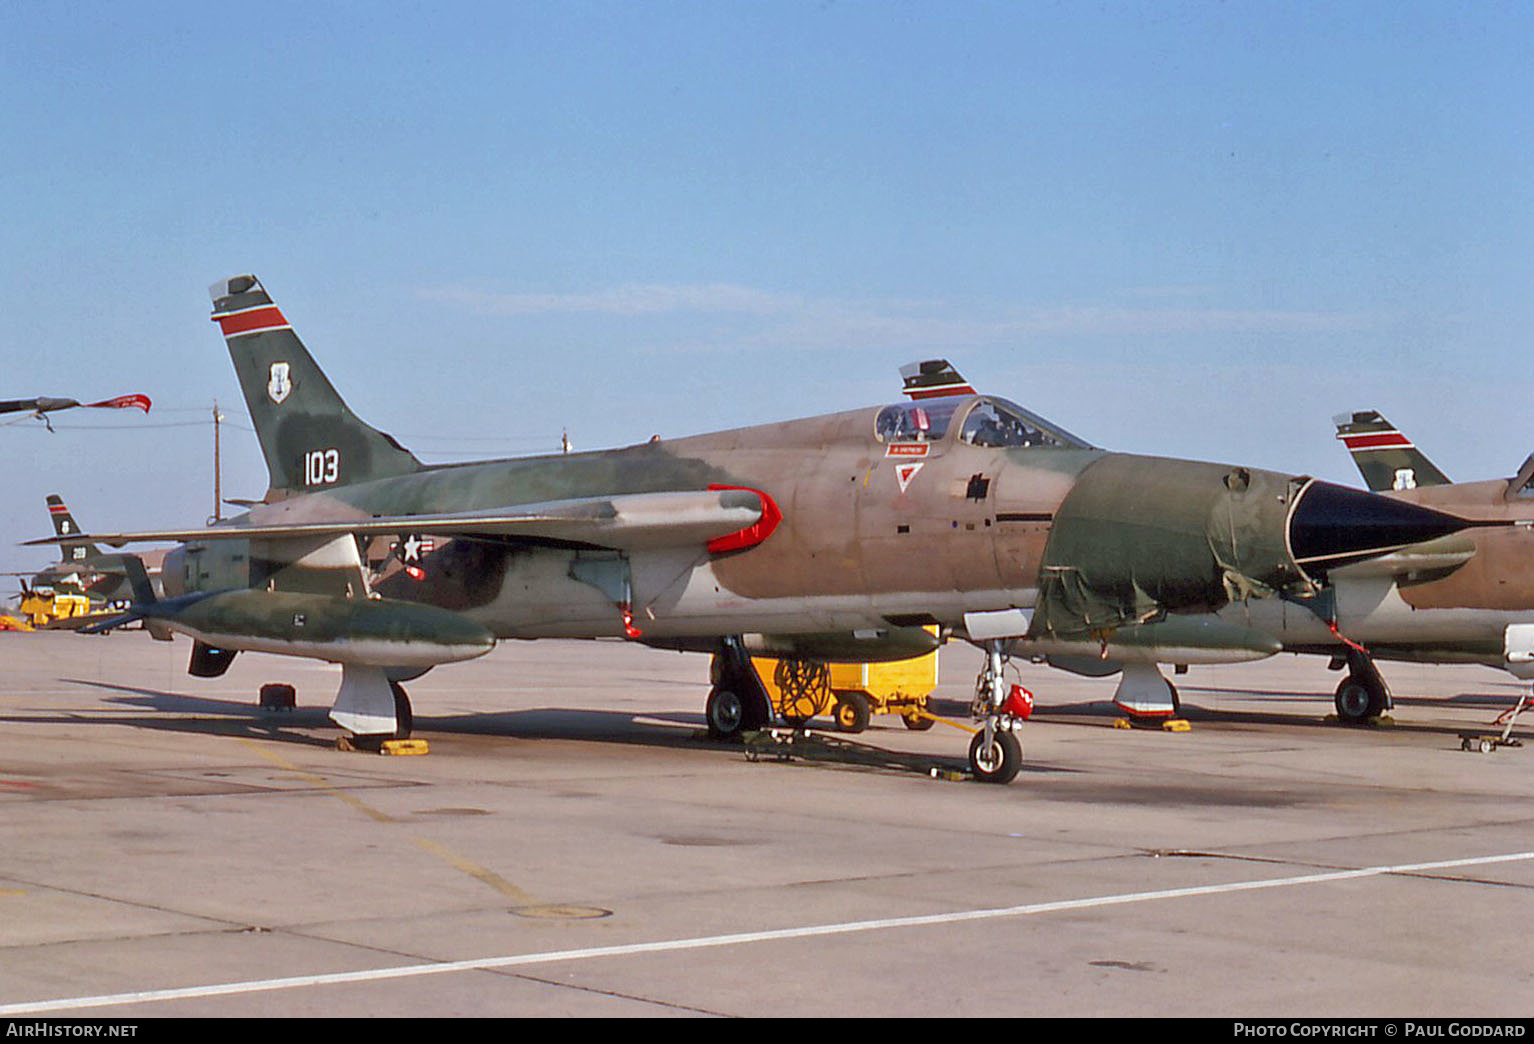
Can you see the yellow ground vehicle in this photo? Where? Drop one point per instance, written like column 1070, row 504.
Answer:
column 47, row 608
column 852, row 692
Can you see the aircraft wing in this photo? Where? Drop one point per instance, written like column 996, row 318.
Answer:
column 724, row 519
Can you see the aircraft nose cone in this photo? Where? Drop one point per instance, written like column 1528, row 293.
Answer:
column 1332, row 525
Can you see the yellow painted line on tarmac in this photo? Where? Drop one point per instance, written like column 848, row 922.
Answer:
column 447, row 855
column 321, row 782
column 479, row 873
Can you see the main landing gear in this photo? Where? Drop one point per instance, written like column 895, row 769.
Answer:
column 404, row 724
column 1363, row 694
column 995, row 754
column 737, row 702
column 404, row 717
column 372, row 708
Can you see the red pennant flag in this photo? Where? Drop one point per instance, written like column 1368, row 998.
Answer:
column 123, row 402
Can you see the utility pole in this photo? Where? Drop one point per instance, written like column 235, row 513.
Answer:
column 218, row 479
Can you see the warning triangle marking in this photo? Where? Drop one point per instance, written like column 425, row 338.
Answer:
column 904, row 473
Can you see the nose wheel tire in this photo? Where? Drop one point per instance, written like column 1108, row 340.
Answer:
column 997, row 760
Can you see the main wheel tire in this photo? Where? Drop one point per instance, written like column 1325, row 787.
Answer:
column 998, row 761
column 852, row 712
column 404, row 717
column 725, row 712
column 1357, row 700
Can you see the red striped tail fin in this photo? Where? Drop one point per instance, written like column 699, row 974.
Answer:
column 310, row 438
column 932, row 379
column 1387, row 459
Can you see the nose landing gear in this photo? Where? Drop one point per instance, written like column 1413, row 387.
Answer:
column 995, row 754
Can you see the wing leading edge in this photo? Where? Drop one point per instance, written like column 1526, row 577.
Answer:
column 725, row 519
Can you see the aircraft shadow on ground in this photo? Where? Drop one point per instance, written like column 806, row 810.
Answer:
column 310, row 726
column 1304, row 711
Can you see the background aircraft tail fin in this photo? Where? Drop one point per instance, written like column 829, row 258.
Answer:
column 64, row 525
column 932, row 379
column 310, row 438
column 1387, row 459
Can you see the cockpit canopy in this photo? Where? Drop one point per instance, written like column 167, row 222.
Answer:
column 987, row 421
column 924, row 421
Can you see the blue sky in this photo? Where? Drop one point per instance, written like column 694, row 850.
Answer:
column 1185, row 229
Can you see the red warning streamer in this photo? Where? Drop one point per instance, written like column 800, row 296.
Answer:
column 139, row 402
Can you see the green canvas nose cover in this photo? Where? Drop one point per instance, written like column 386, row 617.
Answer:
column 1139, row 537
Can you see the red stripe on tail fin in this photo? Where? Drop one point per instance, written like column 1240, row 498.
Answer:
column 266, row 317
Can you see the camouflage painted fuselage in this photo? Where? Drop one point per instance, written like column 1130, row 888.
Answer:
column 874, row 534
column 865, row 523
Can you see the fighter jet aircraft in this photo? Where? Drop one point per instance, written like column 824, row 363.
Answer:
column 1466, row 599
column 97, row 574
column 82, row 564
column 838, row 536
column 84, row 571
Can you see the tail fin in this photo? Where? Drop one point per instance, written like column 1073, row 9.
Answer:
column 310, row 439
column 74, row 552
column 1387, row 459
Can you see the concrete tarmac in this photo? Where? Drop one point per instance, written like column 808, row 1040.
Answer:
column 572, row 846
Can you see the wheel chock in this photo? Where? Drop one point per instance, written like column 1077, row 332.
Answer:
column 404, row 748
column 1165, row 724
column 379, row 745
column 1382, row 721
